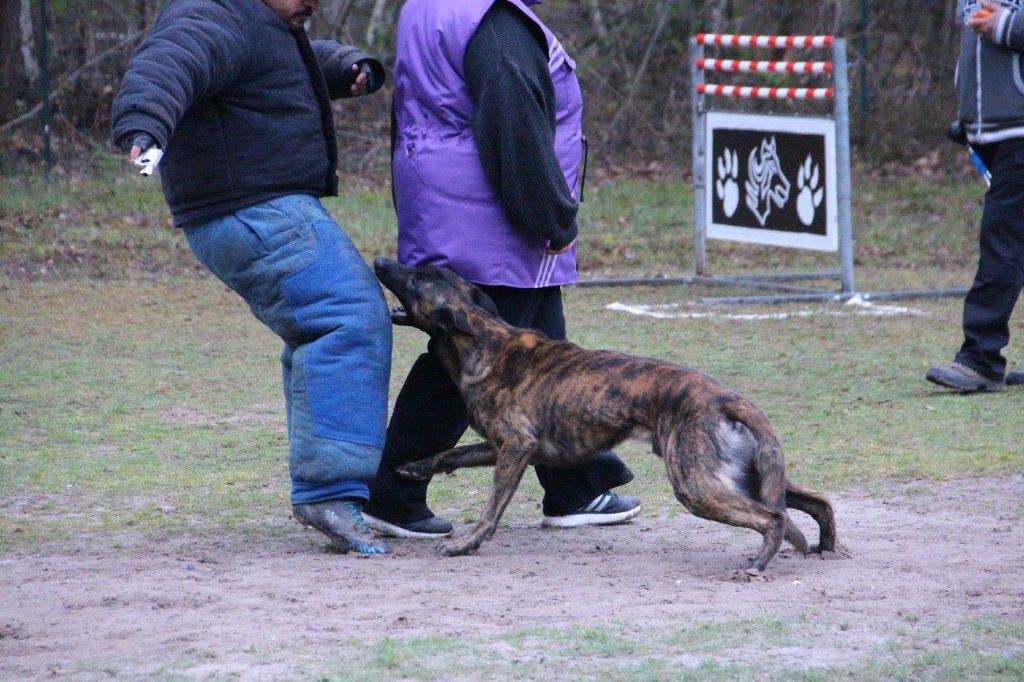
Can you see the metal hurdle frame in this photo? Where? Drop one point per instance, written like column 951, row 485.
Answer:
column 839, row 94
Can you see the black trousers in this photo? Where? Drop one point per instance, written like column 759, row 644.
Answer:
column 430, row 417
column 1000, row 275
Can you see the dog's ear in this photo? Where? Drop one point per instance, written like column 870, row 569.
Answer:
column 484, row 301
column 450, row 321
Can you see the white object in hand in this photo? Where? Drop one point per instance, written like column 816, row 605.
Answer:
column 148, row 161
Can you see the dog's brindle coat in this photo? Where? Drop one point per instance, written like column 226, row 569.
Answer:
column 539, row 400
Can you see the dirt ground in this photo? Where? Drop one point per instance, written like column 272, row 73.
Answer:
column 922, row 552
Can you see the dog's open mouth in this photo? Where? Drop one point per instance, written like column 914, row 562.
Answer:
column 399, row 316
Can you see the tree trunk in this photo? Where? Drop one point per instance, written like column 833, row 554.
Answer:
column 9, row 62
column 28, row 53
column 718, row 12
column 375, row 19
column 598, row 20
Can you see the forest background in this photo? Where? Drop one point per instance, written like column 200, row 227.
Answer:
column 633, row 65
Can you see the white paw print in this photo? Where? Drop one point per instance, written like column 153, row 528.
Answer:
column 809, row 199
column 726, row 187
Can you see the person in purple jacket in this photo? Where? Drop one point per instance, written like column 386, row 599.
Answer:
column 487, row 152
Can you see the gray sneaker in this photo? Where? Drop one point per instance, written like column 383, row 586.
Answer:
column 341, row 521
column 962, row 378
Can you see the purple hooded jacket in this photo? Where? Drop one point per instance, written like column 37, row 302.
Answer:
column 448, row 213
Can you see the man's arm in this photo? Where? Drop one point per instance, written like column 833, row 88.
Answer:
column 1010, row 30
column 506, row 67
column 194, row 50
column 343, row 67
column 1003, row 26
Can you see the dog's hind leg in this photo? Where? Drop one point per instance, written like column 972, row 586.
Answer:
column 818, row 507
column 704, row 485
column 462, row 457
column 795, row 537
column 739, row 510
column 508, row 471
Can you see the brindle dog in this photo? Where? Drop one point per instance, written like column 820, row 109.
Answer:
column 539, row 400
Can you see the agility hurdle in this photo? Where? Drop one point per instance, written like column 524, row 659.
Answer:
column 812, row 150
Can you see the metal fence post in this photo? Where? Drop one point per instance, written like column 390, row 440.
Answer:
column 699, row 152
column 843, row 170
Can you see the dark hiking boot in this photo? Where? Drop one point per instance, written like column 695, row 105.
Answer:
column 1015, row 378
column 341, row 521
column 962, row 378
column 430, row 527
column 606, row 509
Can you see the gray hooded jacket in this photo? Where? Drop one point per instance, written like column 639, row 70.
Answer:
column 989, row 77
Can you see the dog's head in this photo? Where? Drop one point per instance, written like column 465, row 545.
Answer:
column 435, row 300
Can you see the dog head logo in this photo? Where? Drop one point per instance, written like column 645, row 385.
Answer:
column 766, row 184
column 434, row 300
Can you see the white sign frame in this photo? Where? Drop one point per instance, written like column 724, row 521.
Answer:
column 807, row 125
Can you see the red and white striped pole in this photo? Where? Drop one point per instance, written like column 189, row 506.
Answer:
column 732, row 40
column 754, row 92
column 750, row 66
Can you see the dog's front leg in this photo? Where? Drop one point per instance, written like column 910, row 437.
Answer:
column 508, row 471
column 476, row 455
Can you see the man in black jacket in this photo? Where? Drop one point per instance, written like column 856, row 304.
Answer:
column 238, row 97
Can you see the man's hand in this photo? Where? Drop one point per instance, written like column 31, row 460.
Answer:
column 140, row 143
column 983, row 22
column 362, row 79
column 564, row 249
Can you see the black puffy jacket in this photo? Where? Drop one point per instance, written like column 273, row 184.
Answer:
column 239, row 102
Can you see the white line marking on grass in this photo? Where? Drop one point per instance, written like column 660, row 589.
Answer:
column 668, row 311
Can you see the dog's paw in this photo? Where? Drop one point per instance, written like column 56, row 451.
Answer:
column 416, row 471
column 454, row 547
column 837, row 553
column 748, row 575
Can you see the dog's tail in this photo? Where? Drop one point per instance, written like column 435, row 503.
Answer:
column 818, row 507
column 769, row 463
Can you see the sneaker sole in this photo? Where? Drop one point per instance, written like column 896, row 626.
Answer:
column 577, row 520
column 989, row 387
column 393, row 531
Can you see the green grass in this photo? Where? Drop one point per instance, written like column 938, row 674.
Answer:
column 153, row 402
column 112, row 224
column 986, row 648
column 132, row 379
column 139, row 399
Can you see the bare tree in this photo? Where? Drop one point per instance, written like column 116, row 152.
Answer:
column 334, row 14
column 376, row 17
column 28, row 53
column 598, row 19
column 9, row 63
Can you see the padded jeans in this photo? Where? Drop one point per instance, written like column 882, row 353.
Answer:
column 303, row 278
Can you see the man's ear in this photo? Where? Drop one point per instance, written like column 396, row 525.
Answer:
column 451, row 321
column 484, row 301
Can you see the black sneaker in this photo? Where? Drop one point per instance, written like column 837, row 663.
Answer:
column 431, row 527
column 962, row 378
column 606, row 509
column 1015, row 378
column 341, row 521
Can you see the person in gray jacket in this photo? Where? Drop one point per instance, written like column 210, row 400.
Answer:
column 990, row 91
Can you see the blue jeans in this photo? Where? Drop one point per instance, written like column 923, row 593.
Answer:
column 302, row 277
